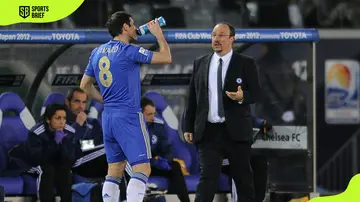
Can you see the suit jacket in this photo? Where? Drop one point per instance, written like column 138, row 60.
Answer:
column 241, row 71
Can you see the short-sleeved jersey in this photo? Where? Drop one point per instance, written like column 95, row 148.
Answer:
column 116, row 67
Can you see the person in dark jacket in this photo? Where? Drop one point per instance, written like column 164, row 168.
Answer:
column 88, row 133
column 163, row 163
column 86, row 128
column 51, row 144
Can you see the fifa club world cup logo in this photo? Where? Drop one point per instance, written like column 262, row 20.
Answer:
column 24, row 11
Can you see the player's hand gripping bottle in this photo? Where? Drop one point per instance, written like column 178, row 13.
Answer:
column 144, row 29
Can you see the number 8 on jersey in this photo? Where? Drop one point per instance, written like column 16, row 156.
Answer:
column 105, row 75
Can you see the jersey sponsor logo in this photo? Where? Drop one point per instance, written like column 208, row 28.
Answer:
column 143, row 51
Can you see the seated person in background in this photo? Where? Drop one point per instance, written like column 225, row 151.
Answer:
column 51, row 144
column 88, row 132
column 262, row 124
column 162, row 163
column 86, row 128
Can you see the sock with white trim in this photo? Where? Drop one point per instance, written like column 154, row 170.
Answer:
column 137, row 187
column 111, row 189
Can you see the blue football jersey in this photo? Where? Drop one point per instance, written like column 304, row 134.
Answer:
column 116, row 68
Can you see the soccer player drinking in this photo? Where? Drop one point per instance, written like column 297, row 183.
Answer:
column 115, row 66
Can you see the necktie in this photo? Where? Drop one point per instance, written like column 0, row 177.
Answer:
column 219, row 90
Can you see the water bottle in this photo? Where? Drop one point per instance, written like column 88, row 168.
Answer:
column 143, row 29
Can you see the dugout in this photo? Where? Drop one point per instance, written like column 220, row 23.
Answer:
column 292, row 149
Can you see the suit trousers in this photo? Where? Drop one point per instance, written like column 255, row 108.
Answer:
column 216, row 144
column 259, row 165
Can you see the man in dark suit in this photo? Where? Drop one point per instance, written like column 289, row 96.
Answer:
column 218, row 118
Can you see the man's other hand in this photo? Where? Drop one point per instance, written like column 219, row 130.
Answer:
column 237, row 96
column 188, row 137
column 81, row 118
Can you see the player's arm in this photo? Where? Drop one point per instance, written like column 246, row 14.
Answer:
column 87, row 85
column 88, row 80
column 144, row 56
column 164, row 55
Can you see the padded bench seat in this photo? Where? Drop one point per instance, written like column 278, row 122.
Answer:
column 12, row 185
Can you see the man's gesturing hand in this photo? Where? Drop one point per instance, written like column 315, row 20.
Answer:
column 237, row 96
column 188, row 137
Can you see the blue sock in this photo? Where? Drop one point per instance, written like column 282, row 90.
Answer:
column 137, row 187
column 111, row 190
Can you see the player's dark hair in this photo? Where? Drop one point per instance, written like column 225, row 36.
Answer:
column 231, row 28
column 51, row 110
column 71, row 92
column 145, row 102
column 116, row 22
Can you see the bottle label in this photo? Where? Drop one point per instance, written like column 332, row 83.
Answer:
column 142, row 29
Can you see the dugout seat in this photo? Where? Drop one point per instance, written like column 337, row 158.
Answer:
column 13, row 130
column 12, row 185
column 165, row 113
column 193, row 179
column 52, row 98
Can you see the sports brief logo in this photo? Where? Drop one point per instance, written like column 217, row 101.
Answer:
column 33, row 11
column 24, row 11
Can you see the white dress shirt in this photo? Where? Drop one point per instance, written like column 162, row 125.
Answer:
column 212, row 85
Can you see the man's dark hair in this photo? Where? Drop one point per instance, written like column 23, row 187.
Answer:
column 231, row 28
column 51, row 110
column 116, row 21
column 71, row 92
column 145, row 102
